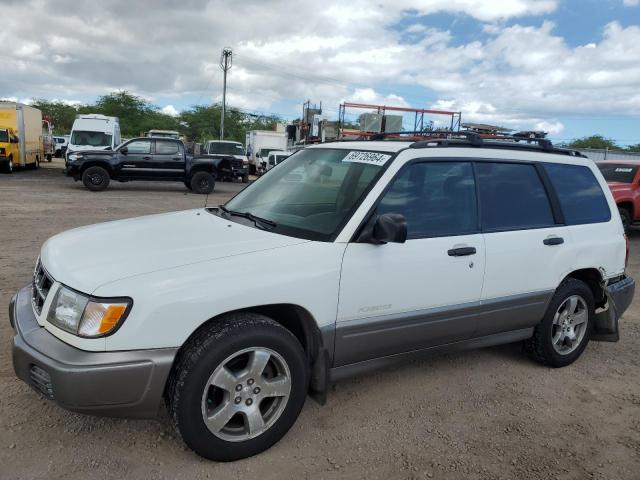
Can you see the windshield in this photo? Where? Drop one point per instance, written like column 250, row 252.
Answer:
column 226, row 148
column 92, row 139
column 280, row 158
column 4, row 135
column 264, row 152
column 618, row 172
column 313, row 193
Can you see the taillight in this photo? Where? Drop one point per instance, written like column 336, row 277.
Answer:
column 626, row 258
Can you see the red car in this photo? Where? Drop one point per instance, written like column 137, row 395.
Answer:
column 623, row 177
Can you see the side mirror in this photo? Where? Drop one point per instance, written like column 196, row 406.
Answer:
column 124, row 150
column 385, row 228
column 108, row 149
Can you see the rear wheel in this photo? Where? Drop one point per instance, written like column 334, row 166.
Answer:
column 49, row 158
column 202, row 182
column 245, row 178
column 625, row 216
column 564, row 332
column 95, row 178
column 238, row 387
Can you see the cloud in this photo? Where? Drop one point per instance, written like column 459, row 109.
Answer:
column 330, row 51
column 631, row 3
column 170, row 110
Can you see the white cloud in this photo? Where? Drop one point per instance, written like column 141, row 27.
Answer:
column 631, row 3
column 170, row 110
column 331, row 51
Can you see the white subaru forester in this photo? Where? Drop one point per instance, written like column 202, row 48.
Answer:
column 346, row 256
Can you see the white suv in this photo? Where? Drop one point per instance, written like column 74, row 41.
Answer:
column 348, row 256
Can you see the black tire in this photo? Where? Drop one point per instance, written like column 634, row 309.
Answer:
column 95, row 178
column 8, row 167
column 541, row 345
column 625, row 216
column 48, row 158
column 35, row 165
column 203, row 354
column 245, row 178
column 202, row 182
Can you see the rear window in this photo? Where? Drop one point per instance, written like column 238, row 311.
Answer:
column 512, row 197
column 581, row 198
column 166, row 148
column 618, row 172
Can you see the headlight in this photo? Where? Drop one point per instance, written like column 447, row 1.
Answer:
column 74, row 156
column 86, row 316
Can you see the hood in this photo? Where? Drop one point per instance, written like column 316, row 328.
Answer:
column 86, row 148
column 88, row 257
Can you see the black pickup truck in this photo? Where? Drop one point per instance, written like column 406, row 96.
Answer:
column 148, row 158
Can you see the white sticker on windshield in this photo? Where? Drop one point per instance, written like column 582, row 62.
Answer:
column 373, row 158
column 624, row 170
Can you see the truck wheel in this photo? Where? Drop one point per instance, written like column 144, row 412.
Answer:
column 238, row 387
column 8, row 168
column 564, row 332
column 245, row 178
column 48, row 158
column 625, row 216
column 95, row 179
column 202, row 182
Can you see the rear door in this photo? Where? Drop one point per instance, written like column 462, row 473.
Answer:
column 528, row 246
column 400, row 297
column 168, row 159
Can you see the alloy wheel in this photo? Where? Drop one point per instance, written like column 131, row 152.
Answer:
column 246, row 394
column 569, row 325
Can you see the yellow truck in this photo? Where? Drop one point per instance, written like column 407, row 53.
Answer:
column 21, row 138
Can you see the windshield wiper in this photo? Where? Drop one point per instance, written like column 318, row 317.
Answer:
column 249, row 216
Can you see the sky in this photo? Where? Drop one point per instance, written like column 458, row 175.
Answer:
column 570, row 67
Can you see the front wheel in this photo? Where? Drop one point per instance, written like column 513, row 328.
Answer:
column 8, row 168
column 95, row 179
column 238, row 387
column 564, row 332
column 202, row 182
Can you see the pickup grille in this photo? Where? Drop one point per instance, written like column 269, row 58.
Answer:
column 42, row 283
column 236, row 163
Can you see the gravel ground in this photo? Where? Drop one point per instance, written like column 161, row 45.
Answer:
column 485, row 414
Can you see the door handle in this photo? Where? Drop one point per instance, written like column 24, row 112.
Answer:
column 146, row 158
column 461, row 251
column 553, row 241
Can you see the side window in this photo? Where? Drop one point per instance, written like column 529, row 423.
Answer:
column 139, row 146
column 436, row 198
column 166, row 148
column 512, row 197
column 581, row 198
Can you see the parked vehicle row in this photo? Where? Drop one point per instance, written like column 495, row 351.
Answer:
column 384, row 251
column 21, row 136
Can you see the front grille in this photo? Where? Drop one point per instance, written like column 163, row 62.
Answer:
column 41, row 381
column 236, row 163
column 42, row 283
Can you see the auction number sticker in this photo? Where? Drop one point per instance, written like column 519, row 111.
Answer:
column 624, row 170
column 373, row 158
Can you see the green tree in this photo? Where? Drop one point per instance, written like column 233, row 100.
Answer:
column 61, row 114
column 634, row 148
column 594, row 141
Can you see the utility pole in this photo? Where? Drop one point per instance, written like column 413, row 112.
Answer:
column 225, row 64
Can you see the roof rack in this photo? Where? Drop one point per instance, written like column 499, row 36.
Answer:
column 446, row 138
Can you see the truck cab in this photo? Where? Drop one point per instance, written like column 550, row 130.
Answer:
column 275, row 157
column 234, row 151
column 8, row 149
column 94, row 132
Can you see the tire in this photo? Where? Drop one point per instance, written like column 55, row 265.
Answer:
column 202, row 182
column 245, row 178
column 35, row 165
column 625, row 216
column 95, row 178
column 232, row 342
column 560, row 339
column 48, row 158
column 8, row 168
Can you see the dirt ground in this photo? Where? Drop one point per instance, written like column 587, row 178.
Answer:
column 485, row 414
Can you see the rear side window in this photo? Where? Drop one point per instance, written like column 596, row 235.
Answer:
column 512, row 197
column 166, row 148
column 581, row 198
column 436, row 198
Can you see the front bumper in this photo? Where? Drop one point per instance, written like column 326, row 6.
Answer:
column 119, row 384
column 619, row 296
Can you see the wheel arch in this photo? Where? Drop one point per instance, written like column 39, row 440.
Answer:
column 592, row 277
column 301, row 323
column 203, row 168
column 96, row 163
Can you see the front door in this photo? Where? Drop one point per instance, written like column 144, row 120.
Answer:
column 137, row 162
column 400, row 297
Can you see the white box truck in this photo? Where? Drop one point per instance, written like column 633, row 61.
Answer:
column 94, row 132
column 21, row 143
column 259, row 143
